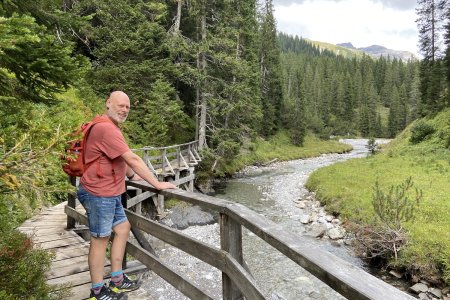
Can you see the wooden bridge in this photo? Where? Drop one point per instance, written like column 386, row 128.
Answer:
column 237, row 280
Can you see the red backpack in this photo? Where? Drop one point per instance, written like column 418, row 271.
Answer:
column 73, row 160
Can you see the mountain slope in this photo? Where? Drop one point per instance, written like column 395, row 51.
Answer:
column 377, row 51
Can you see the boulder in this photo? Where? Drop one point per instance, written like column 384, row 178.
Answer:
column 184, row 216
column 419, row 288
column 336, row 233
column 316, row 230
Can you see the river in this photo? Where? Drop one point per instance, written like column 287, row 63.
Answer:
column 270, row 191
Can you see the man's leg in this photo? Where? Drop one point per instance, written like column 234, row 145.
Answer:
column 120, row 282
column 121, row 234
column 96, row 259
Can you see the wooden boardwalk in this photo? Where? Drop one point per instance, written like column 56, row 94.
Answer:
column 69, row 265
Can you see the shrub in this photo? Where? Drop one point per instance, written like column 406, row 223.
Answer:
column 396, row 206
column 384, row 238
column 23, row 268
column 372, row 146
column 420, row 131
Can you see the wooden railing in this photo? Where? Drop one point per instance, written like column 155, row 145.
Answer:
column 165, row 161
column 237, row 281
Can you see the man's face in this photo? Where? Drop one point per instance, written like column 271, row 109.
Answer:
column 118, row 108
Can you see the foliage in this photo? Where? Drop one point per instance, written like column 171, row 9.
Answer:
column 23, row 269
column 396, row 206
column 372, row 146
column 420, row 131
column 33, row 64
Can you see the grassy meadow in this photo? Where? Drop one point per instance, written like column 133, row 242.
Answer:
column 346, row 189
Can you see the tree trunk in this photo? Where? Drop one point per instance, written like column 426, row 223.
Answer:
column 176, row 30
column 203, row 100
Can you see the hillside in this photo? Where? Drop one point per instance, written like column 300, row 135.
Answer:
column 349, row 51
column 377, row 51
column 347, row 189
column 339, row 50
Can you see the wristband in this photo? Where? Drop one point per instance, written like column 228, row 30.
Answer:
column 131, row 177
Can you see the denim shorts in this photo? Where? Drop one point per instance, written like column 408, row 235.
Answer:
column 103, row 212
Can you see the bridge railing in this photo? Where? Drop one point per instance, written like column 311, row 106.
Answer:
column 237, row 281
column 167, row 160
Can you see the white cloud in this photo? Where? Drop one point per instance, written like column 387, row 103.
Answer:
column 361, row 22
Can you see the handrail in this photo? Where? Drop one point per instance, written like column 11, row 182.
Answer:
column 348, row 280
column 169, row 160
column 167, row 147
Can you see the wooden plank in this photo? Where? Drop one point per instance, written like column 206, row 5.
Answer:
column 46, row 221
column 68, row 270
column 80, row 292
column 139, row 198
column 61, row 243
column 52, row 236
column 85, row 277
column 71, row 251
column 36, row 231
column 67, row 262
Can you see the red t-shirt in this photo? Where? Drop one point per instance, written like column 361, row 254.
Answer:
column 107, row 142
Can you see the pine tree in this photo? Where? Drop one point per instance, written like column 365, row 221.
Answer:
column 270, row 66
column 432, row 14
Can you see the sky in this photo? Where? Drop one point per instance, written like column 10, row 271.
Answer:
column 362, row 22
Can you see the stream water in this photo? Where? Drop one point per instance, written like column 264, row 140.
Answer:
column 270, row 191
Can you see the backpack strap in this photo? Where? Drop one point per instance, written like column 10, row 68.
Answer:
column 87, row 131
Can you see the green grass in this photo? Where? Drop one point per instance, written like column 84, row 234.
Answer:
column 279, row 147
column 346, row 189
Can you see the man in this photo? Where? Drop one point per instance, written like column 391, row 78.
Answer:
column 108, row 160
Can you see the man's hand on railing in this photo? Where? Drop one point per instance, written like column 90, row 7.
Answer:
column 165, row 185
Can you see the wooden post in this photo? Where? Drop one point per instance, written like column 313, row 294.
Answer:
column 138, row 207
column 178, row 158
column 124, row 204
column 160, row 207
column 231, row 242
column 163, row 162
column 71, row 202
column 191, row 182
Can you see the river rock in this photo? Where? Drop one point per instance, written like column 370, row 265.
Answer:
column 301, row 204
column 316, row 230
column 336, row 221
column 336, row 233
column 419, row 287
column 314, row 217
column 184, row 216
column 329, row 218
column 395, row 274
column 424, row 296
column 436, row 292
column 304, row 219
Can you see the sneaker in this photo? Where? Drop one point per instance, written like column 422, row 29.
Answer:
column 107, row 294
column 127, row 285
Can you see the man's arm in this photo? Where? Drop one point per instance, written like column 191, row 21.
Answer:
column 137, row 165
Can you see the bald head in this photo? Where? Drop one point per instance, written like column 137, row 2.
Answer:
column 118, row 106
